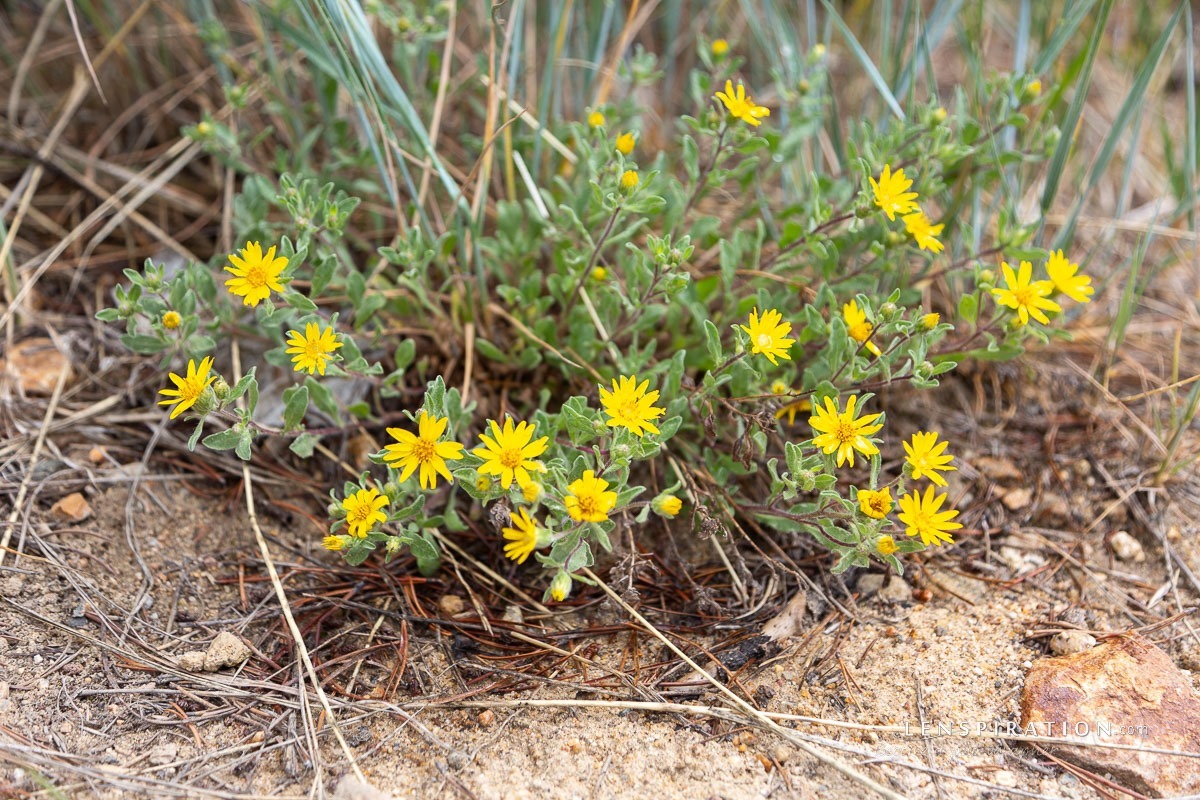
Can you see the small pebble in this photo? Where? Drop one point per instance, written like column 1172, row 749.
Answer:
column 1071, row 642
column 1126, row 548
column 451, row 604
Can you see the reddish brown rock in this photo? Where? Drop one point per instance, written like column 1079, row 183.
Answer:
column 35, row 365
column 1125, row 691
column 72, row 508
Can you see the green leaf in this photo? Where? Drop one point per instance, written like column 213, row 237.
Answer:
column 295, row 400
column 322, row 275
column 712, row 340
column 108, row 315
column 425, row 551
column 968, row 308
column 406, row 352
column 143, row 344
column 244, row 384
column 243, row 444
column 299, row 301
column 303, row 444
column 195, row 437
column 358, row 552
column 323, row 399
column 223, row 440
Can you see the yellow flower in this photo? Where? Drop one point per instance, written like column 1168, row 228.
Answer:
column 625, row 143
column 875, row 505
column 588, row 501
column 767, row 335
column 891, row 192
column 599, row 274
column 793, row 408
column 508, row 453
column 720, row 47
column 1028, row 299
column 313, row 349
column 171, row 320
column 188, row 389
column 363, row 511
column 779, row 387
column 924, row 232
column 423, row 450
column 629, row 180
column 921, row 515
column 630, row 406
column 257, row 275
column 595, row 119
column 839, row 432
column 886, row 545
column 928, row 458
column 522, row 539
column 334, row 542
column 930, row 321
column 857, row 326
column 1034, row 87
column 1062, row 275
column 741, row 105
column 667, row 505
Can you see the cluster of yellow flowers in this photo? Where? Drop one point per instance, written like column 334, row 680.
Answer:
column 256, row 275
column 1030, row 298
column 893, row 196
column 509, row 453
column 844, row 432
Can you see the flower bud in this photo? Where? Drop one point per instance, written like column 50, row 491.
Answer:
column 886, row 545
column 666, row 505
column 171, row 320
column 1031, row 92
column 930, row 321
column 483, row 483
column 531, row 491
column 987, row 279
column 221, row 388
column 595, row 119
column 560, row 587
column 886, row 312
column 720, row 47
column 629, row 180
column 599, row 274
column 625, row 143
column 937, row 116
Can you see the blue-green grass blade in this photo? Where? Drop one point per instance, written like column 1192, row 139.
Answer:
column 1059, row 160
column 865, row 61
column 1132, row 106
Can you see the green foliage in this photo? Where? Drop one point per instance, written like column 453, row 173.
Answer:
column 593, row 264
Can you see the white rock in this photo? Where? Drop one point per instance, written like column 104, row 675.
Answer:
column 1126, row 548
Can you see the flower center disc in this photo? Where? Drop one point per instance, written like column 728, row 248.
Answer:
column 424, row 450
